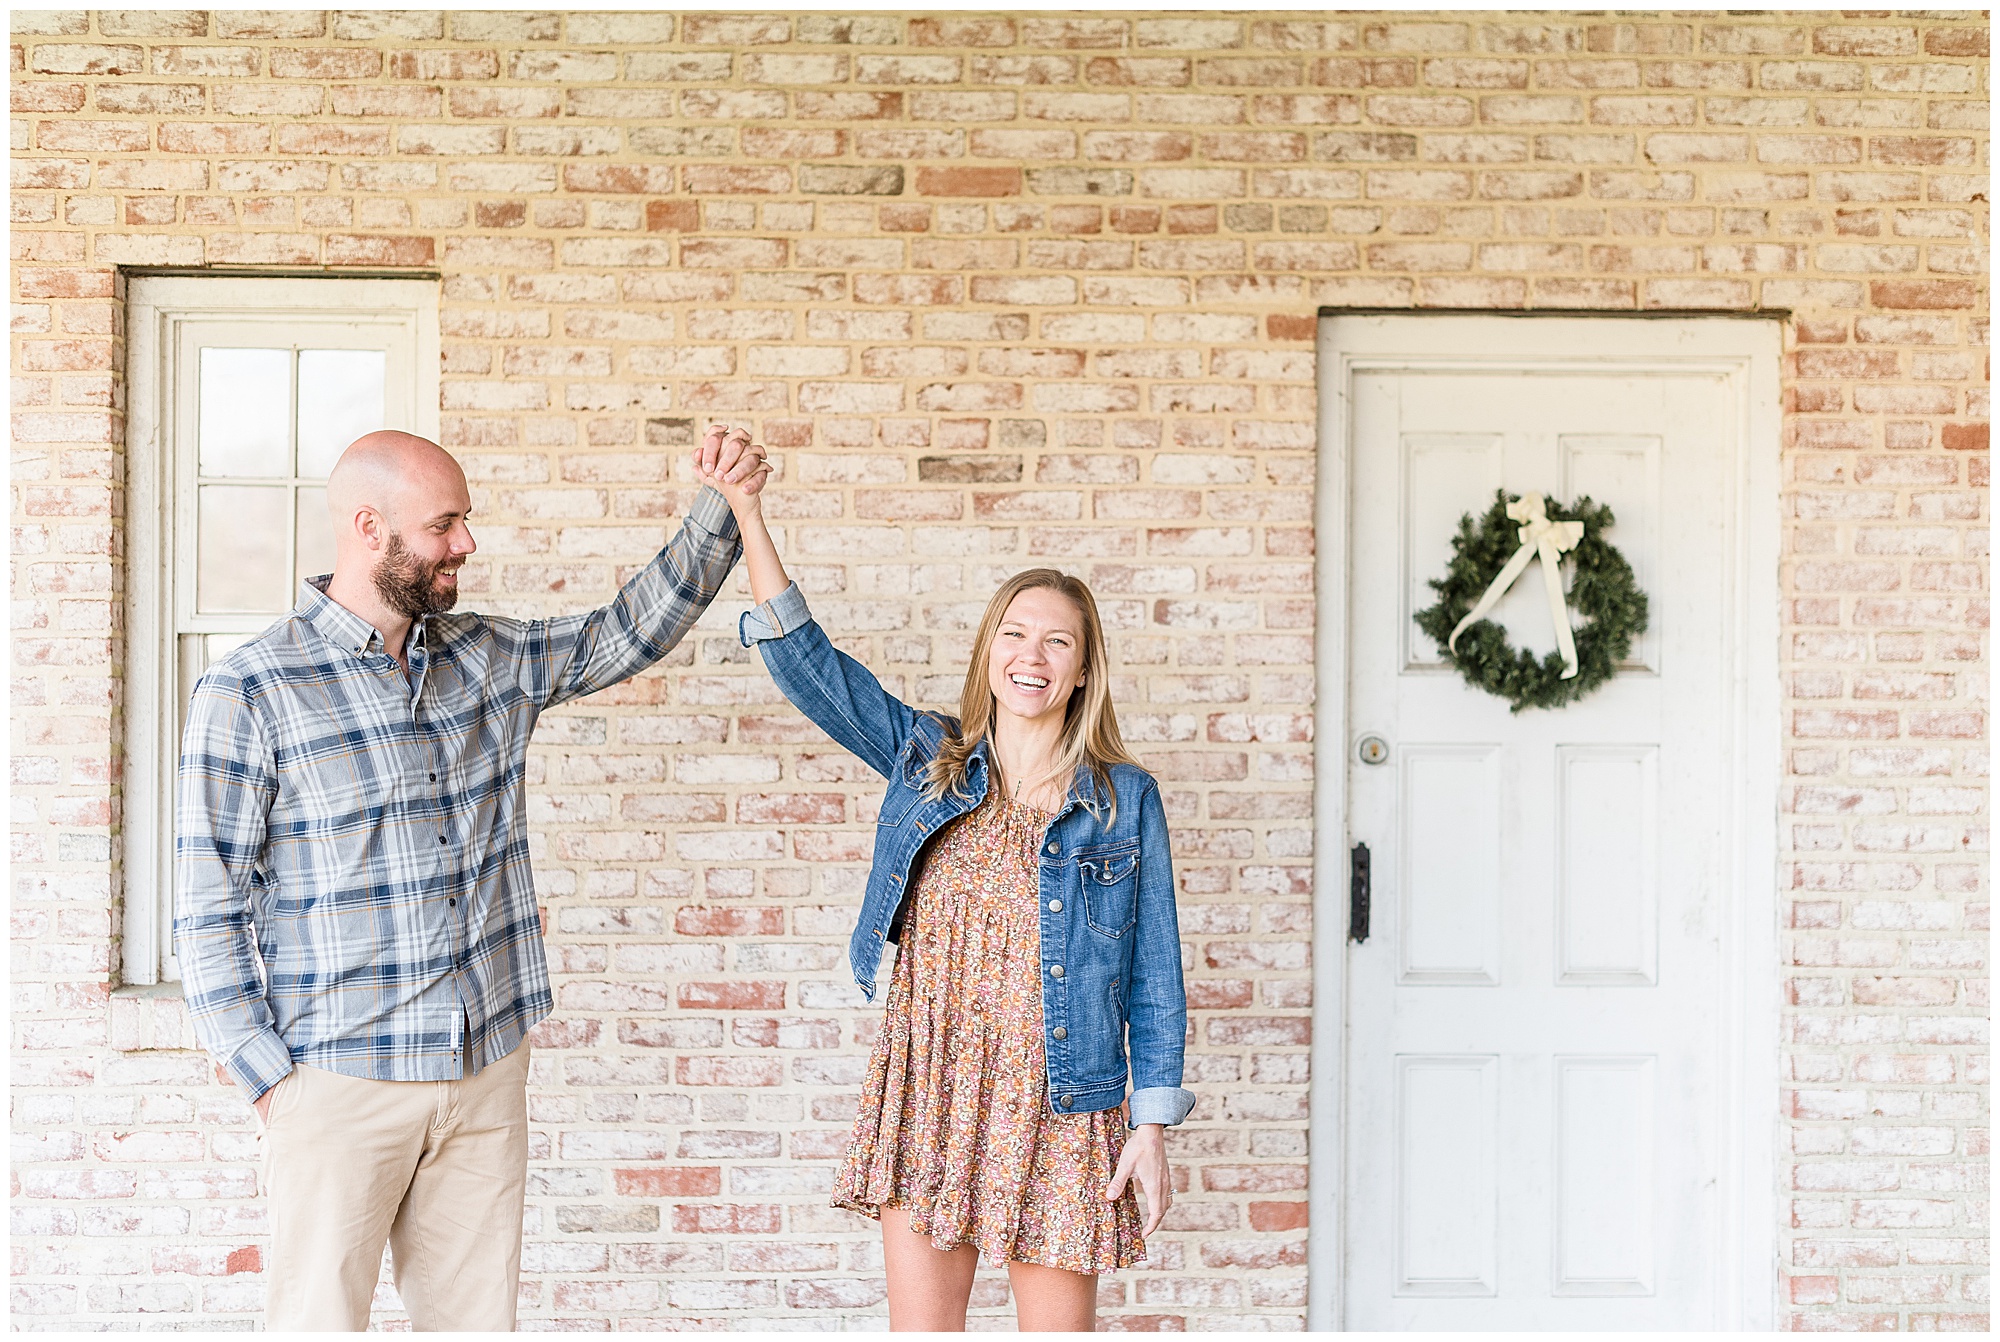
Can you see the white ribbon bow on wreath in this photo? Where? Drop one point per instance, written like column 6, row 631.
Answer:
column 1539, row 537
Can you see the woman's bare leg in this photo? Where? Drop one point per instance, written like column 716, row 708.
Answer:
column 929, row 1287
column 1050, row 1300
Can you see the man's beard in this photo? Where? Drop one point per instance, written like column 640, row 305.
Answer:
column 411, row 586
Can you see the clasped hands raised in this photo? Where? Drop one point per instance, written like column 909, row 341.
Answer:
column 736, row 466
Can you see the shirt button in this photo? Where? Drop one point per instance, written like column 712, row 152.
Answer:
column 434, row 778
column 1055, row 848
column 443, row 839
column 1055, row 906
column 1060, row 1033
column 1055, row 971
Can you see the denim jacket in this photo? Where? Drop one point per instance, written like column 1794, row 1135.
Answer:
column 1111, row 946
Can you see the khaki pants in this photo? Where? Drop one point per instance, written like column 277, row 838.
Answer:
column 437, row 1168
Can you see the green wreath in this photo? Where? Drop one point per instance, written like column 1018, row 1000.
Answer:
column 1604, row 591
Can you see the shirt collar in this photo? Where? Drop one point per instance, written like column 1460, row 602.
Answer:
column 342, row 627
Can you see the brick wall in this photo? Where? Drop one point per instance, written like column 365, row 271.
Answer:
column 1001, row 290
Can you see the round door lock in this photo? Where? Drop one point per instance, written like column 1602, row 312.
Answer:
column 1371, row 750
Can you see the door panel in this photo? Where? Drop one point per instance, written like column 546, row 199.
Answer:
column 1448, row 900
column 1533, row 1058
column 1607, row 852
column 1447, row 1176
column 1604, row 1176
column 1444, row 475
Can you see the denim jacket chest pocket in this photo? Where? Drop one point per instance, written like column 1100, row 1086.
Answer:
column 1109, row 875
column 906, row 787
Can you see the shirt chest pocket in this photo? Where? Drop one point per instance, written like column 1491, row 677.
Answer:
column 1110, row 880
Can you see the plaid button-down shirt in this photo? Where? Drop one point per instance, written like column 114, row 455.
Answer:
column 352, row 883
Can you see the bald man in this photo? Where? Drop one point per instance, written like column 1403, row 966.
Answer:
column 354, row 912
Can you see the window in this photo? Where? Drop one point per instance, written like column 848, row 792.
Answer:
column 243, row 394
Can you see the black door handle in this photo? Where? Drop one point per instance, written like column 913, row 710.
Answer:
column 1357, row 893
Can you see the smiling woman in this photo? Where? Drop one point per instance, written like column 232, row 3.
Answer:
column 1040, row 633
column 1022, row 868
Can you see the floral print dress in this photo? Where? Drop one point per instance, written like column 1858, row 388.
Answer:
column 955, row 1125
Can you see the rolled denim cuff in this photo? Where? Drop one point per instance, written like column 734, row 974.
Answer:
column 774, row 618
column 1167, row 1105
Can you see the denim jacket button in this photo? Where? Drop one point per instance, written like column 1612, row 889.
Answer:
column 1055, row 848
column 1055, row 906
column 1055, row 971
column 1064, row 1102
column 1060, row 1033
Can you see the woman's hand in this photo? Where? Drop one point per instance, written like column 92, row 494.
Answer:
column 736, row 467
column 732, row 463
column 1145, row 1160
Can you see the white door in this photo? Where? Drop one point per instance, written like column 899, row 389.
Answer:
column 1538, row 1089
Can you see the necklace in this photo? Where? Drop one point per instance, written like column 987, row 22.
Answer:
column 1024, row 784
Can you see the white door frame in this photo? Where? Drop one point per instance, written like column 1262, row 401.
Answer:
column 1746, row 353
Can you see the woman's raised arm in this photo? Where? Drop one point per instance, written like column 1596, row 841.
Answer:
column 740, row 477
column 839, row 694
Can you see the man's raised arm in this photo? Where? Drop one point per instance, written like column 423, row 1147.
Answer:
column 574, row 655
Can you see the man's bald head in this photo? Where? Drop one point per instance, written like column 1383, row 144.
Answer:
column 388, row 471
column 399, row 506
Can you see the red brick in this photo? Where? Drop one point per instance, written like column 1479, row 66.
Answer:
column 344, row 249
column 431, row 63
column 1924, row 293
column 971, row 31
column 1964, row 437
column 729, row 922
column 727, row 1219
column 1956, row 41
column 668, row 1181
column 1274, row 1216
column 968, row 181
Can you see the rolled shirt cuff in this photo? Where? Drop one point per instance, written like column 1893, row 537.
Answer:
column 710, row 511
column 260, row 1064
column 774, row 618
column 1167, row 1105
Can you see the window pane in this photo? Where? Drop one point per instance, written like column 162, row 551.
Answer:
column 218, row 646
column 315, row 536
column 245, row 412
column 239, row 561
column 340, row 398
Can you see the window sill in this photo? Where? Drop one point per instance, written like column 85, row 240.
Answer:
column 150, row 1017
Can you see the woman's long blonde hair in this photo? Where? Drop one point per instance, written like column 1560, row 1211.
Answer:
column 1090, row 726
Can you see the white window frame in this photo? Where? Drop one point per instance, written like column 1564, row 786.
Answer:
column 159, row 536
